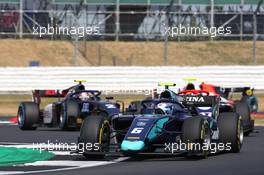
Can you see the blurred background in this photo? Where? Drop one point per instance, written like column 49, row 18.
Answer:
column 132, row 33
column 137, row 25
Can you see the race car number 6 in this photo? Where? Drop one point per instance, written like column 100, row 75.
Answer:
column 136, row 130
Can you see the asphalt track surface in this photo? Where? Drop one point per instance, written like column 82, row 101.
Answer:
column 250, row 161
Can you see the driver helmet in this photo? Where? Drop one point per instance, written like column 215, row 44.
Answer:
column 80, row 87
column 83, row 96
column 166, row 94
column 247, row 91
column 190, row 86
column 166, row 108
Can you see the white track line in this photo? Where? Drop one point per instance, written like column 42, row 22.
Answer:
column 70, row 165
column 11, row 172
column 5, row 122
column 13, row 143
column 58, row 150
column 83, row 164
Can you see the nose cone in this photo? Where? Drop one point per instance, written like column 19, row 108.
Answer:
column 132, row 145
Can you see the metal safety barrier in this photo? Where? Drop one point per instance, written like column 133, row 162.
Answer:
column 126, row 78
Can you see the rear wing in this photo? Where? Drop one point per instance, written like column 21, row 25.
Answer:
column 163, row 86
column 240, row 89
column 244, row 90
column 200, row 101
column 38, row 94
column 50, row 93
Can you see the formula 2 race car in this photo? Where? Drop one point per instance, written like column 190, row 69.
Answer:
column 243, row 107
column 190, row 119
column 247, row 93
column 67, row 113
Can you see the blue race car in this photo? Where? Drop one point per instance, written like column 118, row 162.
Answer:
column 163, row 125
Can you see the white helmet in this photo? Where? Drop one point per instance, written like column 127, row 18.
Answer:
column 83, row 96
column 166, row 108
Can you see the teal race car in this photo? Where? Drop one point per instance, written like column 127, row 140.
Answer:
column 191, row 118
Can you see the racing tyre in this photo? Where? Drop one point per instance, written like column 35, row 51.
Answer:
column 95, row 131
column 252, row 101
column 242, row 108
column 196, row 133
column 254, row 106
column 231, row 131
column 69, row 113
column 28, row 116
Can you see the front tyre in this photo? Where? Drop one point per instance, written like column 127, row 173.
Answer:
column 95, row 131
column 28, row 116
column 196, row 135
column 231, row 130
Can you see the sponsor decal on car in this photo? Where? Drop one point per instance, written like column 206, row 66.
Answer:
column 110, row 106
column 141, row 124
column 195, row 99
column 85, row 107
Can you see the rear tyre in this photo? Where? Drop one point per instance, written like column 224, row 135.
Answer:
column 196, row 134
column 95, row 131
column 28, row 116
column 254, row 106
column 231, row 130
column 242, row 108
column 252, row 101
column 69, row 113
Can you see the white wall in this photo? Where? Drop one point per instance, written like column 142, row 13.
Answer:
column 127, row 78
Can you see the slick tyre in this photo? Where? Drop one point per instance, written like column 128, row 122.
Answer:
column 69, row 113
column 28, row 116
column 231, row 131
column 196, row 132
column 242, row 108
column 95, row 131
column 252, row 101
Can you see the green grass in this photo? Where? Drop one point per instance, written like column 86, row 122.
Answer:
column 259, row 120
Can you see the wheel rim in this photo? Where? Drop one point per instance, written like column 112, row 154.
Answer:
column 20, row 117
column 61, row 119
column 254, row 108
column 104, row 139
column 240, row 133
column 63, row 115
column 206, row 139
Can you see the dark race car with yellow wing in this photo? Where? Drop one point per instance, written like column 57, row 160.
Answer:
column 244, row 106
column 72, row 105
